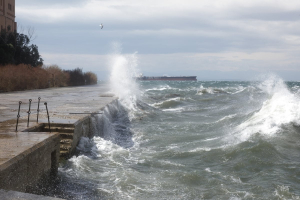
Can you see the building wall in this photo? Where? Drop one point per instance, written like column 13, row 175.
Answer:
column 7, row 15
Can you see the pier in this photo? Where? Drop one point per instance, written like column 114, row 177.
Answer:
column 31, row 154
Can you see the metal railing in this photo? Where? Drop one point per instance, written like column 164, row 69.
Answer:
column 29, row 112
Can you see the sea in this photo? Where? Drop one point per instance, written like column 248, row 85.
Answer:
column 189, row 140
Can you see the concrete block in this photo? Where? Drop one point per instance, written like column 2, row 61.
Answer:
column 13, row 195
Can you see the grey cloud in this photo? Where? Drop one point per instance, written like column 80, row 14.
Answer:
column 234, row 29
column 264, row 13
column 42, row 3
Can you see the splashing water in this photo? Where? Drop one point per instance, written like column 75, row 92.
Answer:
column 280, row 108
column 123, row 69
column 241, row 141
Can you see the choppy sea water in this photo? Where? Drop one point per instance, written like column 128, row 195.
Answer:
column 192, row 140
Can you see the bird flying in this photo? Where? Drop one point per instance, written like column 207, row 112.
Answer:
column 101, row 26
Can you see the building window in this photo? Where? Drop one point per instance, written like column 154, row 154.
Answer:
column 8, row 28
column 9, row 7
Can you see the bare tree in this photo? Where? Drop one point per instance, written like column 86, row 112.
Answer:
column 29, row 31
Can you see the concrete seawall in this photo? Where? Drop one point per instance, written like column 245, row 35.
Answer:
column 31, row 155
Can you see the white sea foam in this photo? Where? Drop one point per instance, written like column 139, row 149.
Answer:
column 210, row 139
column 239, row 90
column 163, row 102
column 161, row 88
column 207, row 169
column 281, row 107
column 165, row 162
column 226, row 177
column 173, row 109
column 216, row 90
column 226, row 117
column 283, row 192
column 210, row 90
column 107, row 148
column 199, row 149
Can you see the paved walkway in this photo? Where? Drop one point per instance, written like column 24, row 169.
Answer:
column 65, row 105
column 60, row 101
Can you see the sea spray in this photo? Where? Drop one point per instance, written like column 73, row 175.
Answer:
column 114, row 124
column 122, row 82
column 280, row 107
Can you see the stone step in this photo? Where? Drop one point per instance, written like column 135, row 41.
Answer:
column 60, row 129
column 66, row 136
column 60, row 125
column 64, row 153
column 65, row 147
column 66, row 141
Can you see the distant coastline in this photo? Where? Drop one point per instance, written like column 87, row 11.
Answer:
column 166, row 78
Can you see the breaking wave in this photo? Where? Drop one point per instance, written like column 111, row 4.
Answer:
column 281, row 107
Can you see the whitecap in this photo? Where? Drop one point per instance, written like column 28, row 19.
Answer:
column 200, row 149
column 281, row 108
column 226, row 117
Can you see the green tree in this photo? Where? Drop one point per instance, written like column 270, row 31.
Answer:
column 6, row 54
column 7, row 49
column 15, row 48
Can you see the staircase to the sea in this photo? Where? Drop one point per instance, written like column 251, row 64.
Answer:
column 66, row 132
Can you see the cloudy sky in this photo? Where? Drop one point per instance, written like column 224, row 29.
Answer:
column 212, row 39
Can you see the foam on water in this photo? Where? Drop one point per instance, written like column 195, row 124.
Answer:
column 283, row 192
column 216, row 90
column 161, row 88
column 226, row 117
column 281, row 107
column 167, row 103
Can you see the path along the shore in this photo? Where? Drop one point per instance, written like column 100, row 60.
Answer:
column 65, row 105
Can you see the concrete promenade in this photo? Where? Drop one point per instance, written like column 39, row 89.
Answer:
column 26, row 156
column 61, row 102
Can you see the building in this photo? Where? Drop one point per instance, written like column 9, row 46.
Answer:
column 7, row 15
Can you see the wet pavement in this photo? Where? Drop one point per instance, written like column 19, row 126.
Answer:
column 62, row 104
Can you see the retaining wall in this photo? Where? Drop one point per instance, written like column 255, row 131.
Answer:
column 26, row 169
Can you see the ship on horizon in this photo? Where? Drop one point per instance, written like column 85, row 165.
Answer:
column 166, row 78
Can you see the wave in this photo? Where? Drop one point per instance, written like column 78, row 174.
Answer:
column 174, row 109
column 283, row 192
column 161, row 88
column 170, row 103
column 114, row 125
column 217, row 90
column 281, row 107
column 226, row 118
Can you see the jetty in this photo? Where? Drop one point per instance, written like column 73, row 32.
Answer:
column 38, row 128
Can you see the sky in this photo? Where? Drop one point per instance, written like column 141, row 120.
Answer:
column 210, row 39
